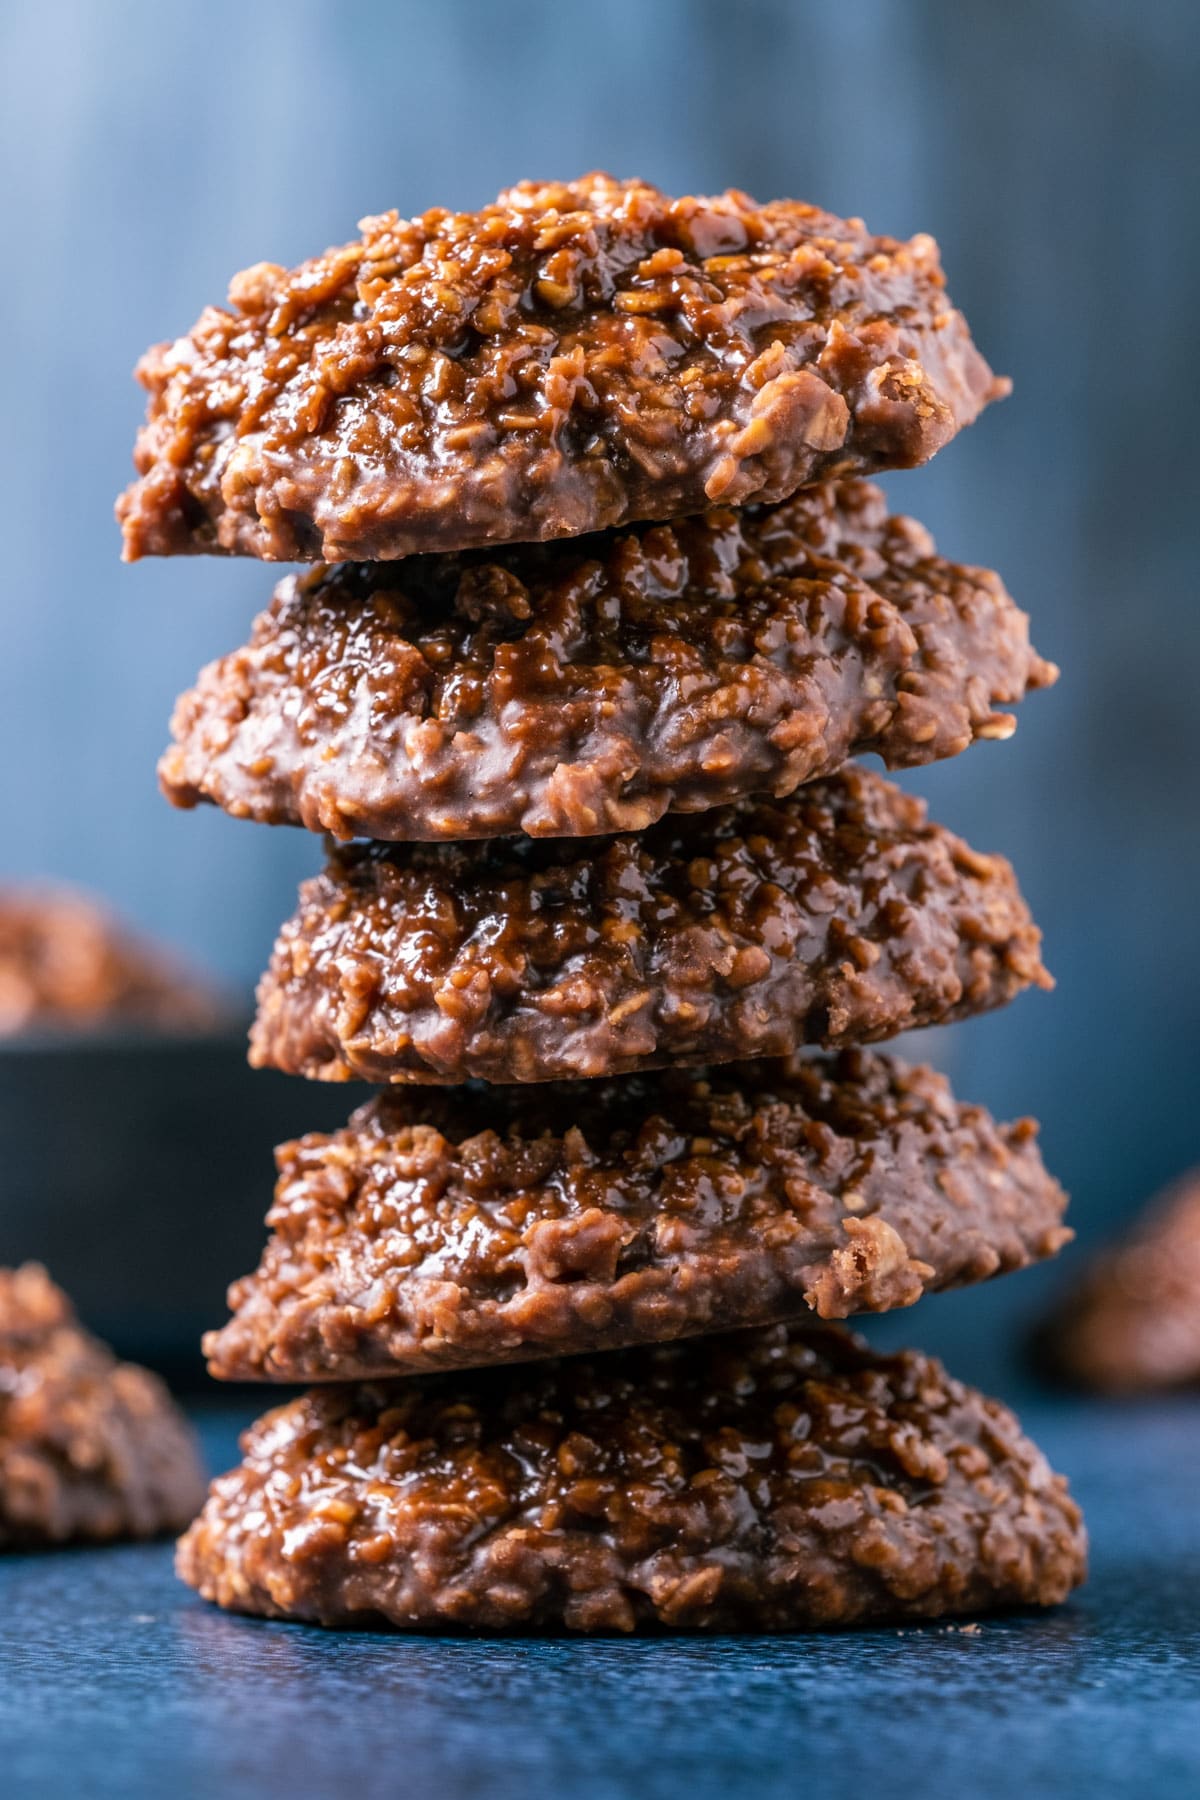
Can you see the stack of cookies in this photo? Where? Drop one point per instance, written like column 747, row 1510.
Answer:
column 601, row 608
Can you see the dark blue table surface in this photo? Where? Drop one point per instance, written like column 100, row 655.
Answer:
column 114, row 1680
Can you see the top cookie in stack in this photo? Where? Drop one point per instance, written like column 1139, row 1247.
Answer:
column 590, row 465
column 577, row 356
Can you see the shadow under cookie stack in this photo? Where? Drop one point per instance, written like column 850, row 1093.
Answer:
column 603, row 610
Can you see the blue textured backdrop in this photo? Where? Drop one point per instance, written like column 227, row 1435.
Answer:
column 1051, row 145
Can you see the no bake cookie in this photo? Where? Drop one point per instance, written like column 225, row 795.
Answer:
column 584, row 687
column 837, row 916
column 90, row 1449
column 450, row 1229
column 65, row 964
column 571, row 357
column 765, row 1481
column 1130, row 1323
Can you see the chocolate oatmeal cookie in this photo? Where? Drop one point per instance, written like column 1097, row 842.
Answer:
column 589, row 686
column 835, row 917
column 65, row 964
column 1131, row 1322
column 90, row 1448
column 767, row 1481
column 574, row 356
column 451, row 1229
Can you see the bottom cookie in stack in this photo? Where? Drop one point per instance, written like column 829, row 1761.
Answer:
column 767, row 1480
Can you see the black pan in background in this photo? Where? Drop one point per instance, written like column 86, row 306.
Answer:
column 138, row 1168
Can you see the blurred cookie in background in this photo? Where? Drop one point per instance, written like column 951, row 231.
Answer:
column 66, row 963
column 91, row 1449
column 1131, row 1323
